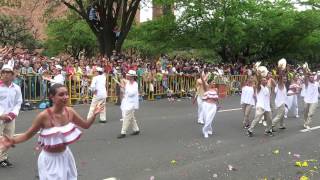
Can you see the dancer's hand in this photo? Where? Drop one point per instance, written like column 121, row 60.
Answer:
column 6, row 142
column 5, row 117
column 99, row 108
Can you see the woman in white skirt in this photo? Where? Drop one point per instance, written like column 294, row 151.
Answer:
column 209, row 107
column 58, row 126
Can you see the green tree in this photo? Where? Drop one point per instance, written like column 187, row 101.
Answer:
column 70, row 35
column 115, row 17
column 14, row 31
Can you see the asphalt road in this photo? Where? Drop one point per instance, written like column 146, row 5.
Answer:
column 171, row 147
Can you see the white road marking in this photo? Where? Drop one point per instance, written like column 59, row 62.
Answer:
column 227, row 110
column 307, row 130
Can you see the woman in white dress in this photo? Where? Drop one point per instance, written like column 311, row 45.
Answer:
column 209, row 105
column 58, row 126
column 292, row 101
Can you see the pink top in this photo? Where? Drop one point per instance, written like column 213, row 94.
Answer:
column 58, row 136
column 211, row 94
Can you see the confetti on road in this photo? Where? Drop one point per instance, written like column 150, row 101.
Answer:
column 304, row 178
column 173, row 162
column 110, row 178
column 231, row 168
column 151, row 177
column 277, row 151
column 296, row 155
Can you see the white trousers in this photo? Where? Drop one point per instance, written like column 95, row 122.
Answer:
column 57, row 166
column 209, row 111
column 292, row 103
column 94, row 103
column 128, row 119
column 200, row 111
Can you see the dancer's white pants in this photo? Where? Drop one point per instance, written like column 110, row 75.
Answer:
column 292, row 104
column 57, row 166
column 200, row 109
column 209, row 111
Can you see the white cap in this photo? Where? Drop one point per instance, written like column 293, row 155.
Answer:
column 99, row 69
column 7, row 67
column 132, row 73
column 59, row 67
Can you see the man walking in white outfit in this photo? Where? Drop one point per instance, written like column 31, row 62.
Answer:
column 262, row 107
column 129, row 104
column 10, row 104
column 311, row 94
column 98, row 87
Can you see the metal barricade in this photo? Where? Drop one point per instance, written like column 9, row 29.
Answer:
column 34, row 89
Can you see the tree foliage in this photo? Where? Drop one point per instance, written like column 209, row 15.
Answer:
column 15, row 32
column 234, row 30
column 69, row 35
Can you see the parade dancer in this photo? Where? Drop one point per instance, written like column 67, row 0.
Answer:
column 198, row 98
column 129, row 104
column 280, row 102
column 10, row 104
column 311, row 95
column 58, row 127
column 262, row 106
column 292, row 101
column 247, row 101
column 209, row 105
column 98, row 87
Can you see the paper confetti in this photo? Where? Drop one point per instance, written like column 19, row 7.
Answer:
column 231, row 168
column 276, row 151
column 296, row 155
column 111, row 178
column 305, row 164
column 173, row 162
column 151, row 177
column 304, row 178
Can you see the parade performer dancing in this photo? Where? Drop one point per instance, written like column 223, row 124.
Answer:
column 209, row 105
column 263, row 102
column 311, row 95
column 247, row 101
column 198, row 97
column 129, row 104
column 292, row 101
column 98, row 87
column 58, row 127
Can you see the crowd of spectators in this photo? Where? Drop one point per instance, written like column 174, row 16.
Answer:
column 30, row 68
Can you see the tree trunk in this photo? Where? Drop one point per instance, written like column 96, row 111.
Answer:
column 106, row 43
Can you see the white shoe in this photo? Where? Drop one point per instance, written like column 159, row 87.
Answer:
column 297, row 116
column 306, row 126
column 206, row 136
column 121, row 119
column 260, row 122
column 264, row 123
column 285, row 116
column 210, row 132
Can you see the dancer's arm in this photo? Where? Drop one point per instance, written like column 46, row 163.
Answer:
column 86, row 124
column 37, row 123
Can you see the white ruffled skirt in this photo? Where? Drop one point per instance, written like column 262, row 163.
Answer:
column 57, row 166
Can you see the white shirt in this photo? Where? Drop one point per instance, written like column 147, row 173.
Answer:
column 311, row 92
column 10, row 99
column 130, row 99
column 57, row 79
column 247, row 95
column 98, row 85
column 263, row 98
column 281, row 96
